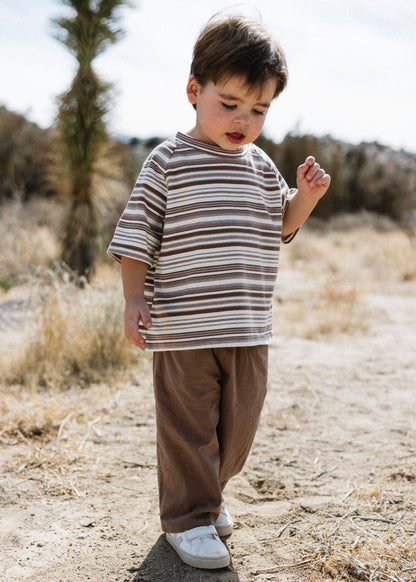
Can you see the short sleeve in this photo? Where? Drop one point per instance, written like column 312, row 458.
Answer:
column 285, row 192
column 139, row 231
column 286, row 198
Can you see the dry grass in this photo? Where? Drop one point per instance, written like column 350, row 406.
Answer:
column 368, row 251
column 73, row 336
column 368, row 538
column 325, row 276
column 54, row 337
column 334, row 308
column 35, row 422
column 367, row 535
column 28, row 238
column 55, row 428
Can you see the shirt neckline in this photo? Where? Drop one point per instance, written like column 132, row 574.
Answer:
column 207, row 147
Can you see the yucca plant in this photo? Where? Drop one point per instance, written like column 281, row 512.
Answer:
column 82, row 121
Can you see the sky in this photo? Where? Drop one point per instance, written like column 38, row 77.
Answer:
column 352, row 65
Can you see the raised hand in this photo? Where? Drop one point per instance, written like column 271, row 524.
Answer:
column 312, row 180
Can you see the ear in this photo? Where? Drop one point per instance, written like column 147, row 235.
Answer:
column 192, row 90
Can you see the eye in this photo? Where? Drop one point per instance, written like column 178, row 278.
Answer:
column 258, row 112
column 227, row 106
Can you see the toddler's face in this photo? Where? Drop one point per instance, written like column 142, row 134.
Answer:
column 229, row 113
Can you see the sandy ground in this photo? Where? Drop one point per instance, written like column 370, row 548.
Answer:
column 332, row 473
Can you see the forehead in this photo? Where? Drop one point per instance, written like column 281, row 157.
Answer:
column 237, row 87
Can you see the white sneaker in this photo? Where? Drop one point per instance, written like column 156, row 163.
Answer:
column 224, row 524
column 200, row 547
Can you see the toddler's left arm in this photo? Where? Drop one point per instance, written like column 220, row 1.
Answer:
column 312, row 182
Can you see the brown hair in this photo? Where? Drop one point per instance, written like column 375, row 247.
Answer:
column 236, row 45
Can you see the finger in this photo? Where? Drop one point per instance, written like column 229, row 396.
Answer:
column 134, row 336
column 324, row 181
column 144, row 317
column 312, row 171
column 304, row 168
column 132, row 332
column 321, row 178
column 319, row 174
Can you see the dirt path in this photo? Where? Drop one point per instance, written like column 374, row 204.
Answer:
column 332, row 473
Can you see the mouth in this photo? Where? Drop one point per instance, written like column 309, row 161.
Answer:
column 235, row 137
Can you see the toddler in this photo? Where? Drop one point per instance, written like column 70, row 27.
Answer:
column 199, row 248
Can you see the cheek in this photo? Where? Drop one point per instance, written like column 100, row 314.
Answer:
column 259, row 121
column 216, row 119
column 257, row 124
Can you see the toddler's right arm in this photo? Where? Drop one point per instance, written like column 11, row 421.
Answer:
column 133, row 273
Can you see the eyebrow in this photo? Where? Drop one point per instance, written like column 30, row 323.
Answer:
column 232, row 98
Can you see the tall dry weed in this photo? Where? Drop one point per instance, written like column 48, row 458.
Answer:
column 74, row 336
column 28, row 238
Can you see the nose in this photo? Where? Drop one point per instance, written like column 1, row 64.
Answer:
column 242, row 118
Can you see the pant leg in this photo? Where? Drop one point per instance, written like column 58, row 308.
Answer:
column 244, row 387
column 208, row 405
column 187, row 387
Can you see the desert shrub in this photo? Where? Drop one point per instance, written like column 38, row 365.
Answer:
column 31, row 231
column 28, row 235
column 73, row 336
column 380, row 180
column 26, row 157
column 368, row 176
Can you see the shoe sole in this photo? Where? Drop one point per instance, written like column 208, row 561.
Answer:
column 197, row 561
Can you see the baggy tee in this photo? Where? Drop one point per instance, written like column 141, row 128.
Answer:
column 208, row 223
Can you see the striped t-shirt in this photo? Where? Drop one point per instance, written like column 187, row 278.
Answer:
column 208, row 223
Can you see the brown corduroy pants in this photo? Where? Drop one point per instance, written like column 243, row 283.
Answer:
column 208, row 405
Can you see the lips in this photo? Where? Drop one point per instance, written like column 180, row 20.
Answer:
column 235, row 136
